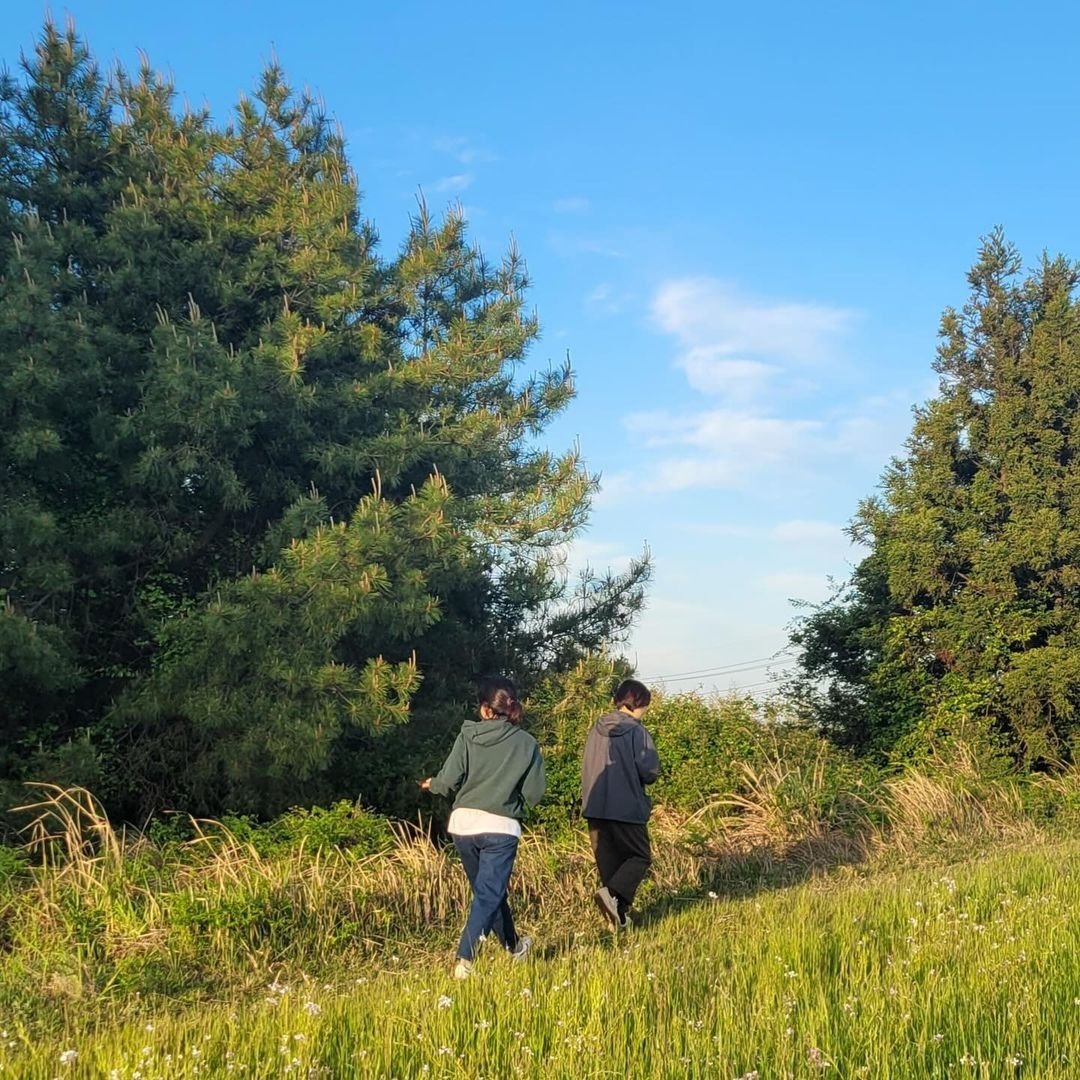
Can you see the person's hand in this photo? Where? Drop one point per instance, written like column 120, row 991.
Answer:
column 425, row 785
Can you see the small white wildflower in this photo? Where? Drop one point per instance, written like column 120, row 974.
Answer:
column 938, row 1037
column 445, row 1050
column 312, row 1008
column 445, row 1002
column 1014, row 1061
column 650, row 976
column 791, row 973
column 68, row 1057
column 751, row 1075
column 526, row 992
column 713, row 896
column 967, row 1059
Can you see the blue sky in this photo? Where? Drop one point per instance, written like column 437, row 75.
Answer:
column 742, row 222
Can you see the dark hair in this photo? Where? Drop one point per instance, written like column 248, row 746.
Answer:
column 632, row 694
column 500, row 696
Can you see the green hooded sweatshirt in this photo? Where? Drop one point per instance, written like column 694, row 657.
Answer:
column 493, row 766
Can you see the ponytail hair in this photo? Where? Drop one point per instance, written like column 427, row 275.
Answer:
column 501, row 697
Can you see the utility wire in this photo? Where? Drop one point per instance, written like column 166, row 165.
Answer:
column 708, row 673
column 720, row 674
column 720, row 668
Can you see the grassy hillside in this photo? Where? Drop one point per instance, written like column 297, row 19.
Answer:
column 969, row 970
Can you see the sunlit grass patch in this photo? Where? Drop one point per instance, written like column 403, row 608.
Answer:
column 971, row 971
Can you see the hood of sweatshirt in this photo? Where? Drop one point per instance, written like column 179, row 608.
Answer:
column 487, row 732
column 613, row 725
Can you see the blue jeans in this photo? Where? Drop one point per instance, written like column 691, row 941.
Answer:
column 488, row 859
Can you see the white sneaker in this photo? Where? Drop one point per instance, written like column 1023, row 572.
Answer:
column 608, row 905
column 463, row 969
column 521, row 950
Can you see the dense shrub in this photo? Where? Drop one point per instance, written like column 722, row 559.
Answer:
column 346, row 826
column 702, row 744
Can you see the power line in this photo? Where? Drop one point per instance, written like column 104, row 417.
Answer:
column 716, row 667
column 721, row 673
column 720, row 668
column 710, row 673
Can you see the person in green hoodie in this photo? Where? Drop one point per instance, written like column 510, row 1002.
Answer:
column 495, row 768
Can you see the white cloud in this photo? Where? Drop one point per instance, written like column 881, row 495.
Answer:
column 461, row 149
column 752, row 356
column 605, row 298
column 572, row 204
column 734, row 447
column 725, row 332
column 727, row 446
column 721, row 430
column 678, row 474
column 571, row 244
column 457, row 182
column 712, row 371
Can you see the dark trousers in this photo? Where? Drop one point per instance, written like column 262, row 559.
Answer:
column 488, row 859
column 623, row 855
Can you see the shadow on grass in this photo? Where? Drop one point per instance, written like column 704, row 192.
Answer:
column 742, row 874
column 726, row 876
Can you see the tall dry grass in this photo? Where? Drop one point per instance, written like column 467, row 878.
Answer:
column 103, row 912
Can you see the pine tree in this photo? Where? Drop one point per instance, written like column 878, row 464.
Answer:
column 259, row 484
column 976, row 536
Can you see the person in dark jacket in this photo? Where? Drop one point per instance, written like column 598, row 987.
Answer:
column 620, row 759
column 494, row 768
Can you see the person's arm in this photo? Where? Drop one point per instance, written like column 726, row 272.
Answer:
column 647, row 759
column 452, row 774
column 535, row 783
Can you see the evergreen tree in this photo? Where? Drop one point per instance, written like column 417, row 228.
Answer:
column 968, row 609
column 258, row 484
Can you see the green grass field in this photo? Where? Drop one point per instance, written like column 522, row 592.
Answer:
column 970, row 970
